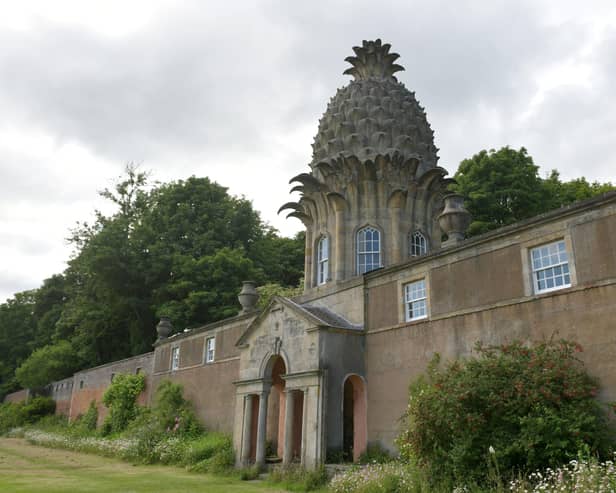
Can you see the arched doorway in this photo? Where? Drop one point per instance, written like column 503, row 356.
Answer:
column 275, row 425
column 285, row 411
column 354, row 422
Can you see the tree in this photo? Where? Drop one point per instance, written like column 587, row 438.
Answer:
column 561, row 193
column 501, row 187
column 200, row 243
column 180, row 249
column 535, row 407
column 17, row 330
column 52, row 362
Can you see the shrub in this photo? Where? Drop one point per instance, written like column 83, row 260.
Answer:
column 89, row 420
column 577, row 475
column 375, row 454
column 249, row 473
column 392, row 477
column 15, row 414
column 53, row 422
column 534, row 407
column 297, row 478
column 212, row 453
column 207, row 446
column 173, row 411
column 36, row 408
column 10, row 416
column 120, row 397
column 147, row 432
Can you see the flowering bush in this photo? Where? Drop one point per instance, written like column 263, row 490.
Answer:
column 376, row 478
column 534, row 405
column 582, row 476
column 117, row 447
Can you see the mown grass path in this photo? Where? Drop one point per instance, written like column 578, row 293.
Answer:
column 28, row 468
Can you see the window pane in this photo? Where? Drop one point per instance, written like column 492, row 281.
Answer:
column 368, row 250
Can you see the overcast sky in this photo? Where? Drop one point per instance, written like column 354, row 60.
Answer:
column 233, row 90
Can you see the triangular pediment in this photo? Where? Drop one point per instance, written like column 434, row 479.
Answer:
column 277, row 304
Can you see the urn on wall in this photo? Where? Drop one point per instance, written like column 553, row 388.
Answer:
column 248, row 297
column 164, row 328
column 454, row 220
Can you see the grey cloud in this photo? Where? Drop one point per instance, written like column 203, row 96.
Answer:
column 212, row 83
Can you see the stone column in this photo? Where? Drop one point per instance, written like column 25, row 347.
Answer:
column 396, row 247
column 308, row 259
column 339, row 239
column 261, row 428
column 247, row 428
column 396, row 204
column 287, row 454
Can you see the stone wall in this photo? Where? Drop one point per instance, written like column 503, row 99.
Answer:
column 90, row 385
column 209, row 386
column 61, row 391
column 18, row 396
column 481, row 290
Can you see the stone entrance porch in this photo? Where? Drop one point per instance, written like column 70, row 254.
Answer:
column 282, row 409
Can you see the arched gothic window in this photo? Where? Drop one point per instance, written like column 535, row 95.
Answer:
column 322, row 260
column 419, row 244
column 368, row 249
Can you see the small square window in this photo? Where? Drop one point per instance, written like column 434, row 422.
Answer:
column 81, row 384
column 175, row 358
column 210, row 349
column 112, row 376
column 138, row 370
column 415, row 300
column 550, row 265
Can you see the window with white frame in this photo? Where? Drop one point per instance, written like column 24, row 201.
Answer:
column 323, row 260
column 210, row 349
column 368, row 249
column 415, row 300
column 550, row 264
column 419, row 244
column 175, row 358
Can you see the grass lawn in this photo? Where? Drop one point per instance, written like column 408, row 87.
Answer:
column 28, row 468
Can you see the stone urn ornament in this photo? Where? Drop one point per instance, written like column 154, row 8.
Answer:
column 454, row 220
column 248, row 297
column 164, row 328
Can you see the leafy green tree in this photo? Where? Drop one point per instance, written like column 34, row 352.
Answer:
column 180, row 249
column 559, row 193
column 501, row 187
column 49, row 301
column 52, row 362
column 205, row 289
column 17, row 330
column 280, row 259
column 533, row 407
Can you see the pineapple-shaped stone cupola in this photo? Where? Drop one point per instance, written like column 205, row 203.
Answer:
column 374, row 190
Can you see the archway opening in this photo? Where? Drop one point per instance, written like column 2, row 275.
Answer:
column 354, row 423
column 275, row 425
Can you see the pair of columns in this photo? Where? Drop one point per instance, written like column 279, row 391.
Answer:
column 287, row 455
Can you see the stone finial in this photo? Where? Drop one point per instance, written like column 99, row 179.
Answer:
column 454, row 220
column 164, row 328
column 373, row 60
column 248, row 297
